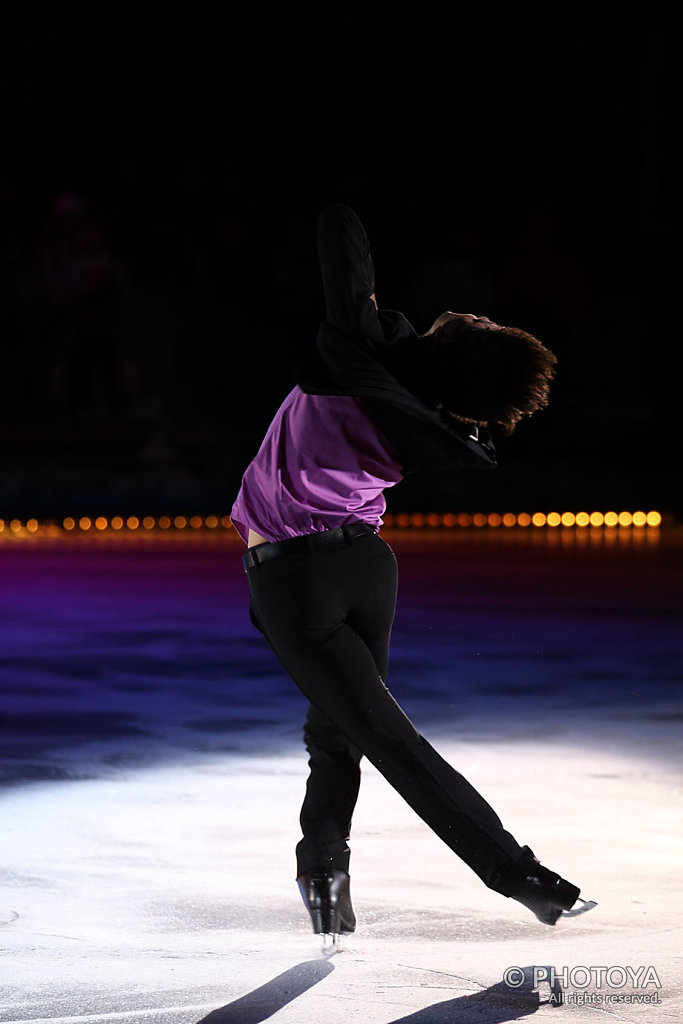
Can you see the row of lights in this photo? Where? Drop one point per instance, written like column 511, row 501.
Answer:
column 148, row 523
column 118, row 523
column 525, row 519
column 401, row 520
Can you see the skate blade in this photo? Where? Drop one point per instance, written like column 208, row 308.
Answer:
column 575, row 911
column 330, row 943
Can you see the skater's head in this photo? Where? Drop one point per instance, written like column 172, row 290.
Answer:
column 485, row 373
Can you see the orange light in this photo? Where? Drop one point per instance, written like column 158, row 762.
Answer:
column 639, row 519
column 15, row 525
column 212, row 522
column 132, row 522
column 433, row 520
column 225, row 522
column 148, row 522
column 449, row 519
column 69, row 523
column 568, row 518
column 509, row 519
column 524, row 519
column 582, row 519
column 464, row 519
column 84, row 523
column 180, row 522
column 554, row 519
column 596, row 519
column 117, row 523
column 611, row 519
column 2, row 525
column 625, row 519
column 402, row 519
column 479, row 519
column 494, row 519
column 100, row 523
column 654, row 519
column 31, row 525
column 418, row 519
column 196, row 522
column 538, row 519
column 164, row 523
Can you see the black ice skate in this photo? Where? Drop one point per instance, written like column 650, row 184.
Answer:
column 327, row 897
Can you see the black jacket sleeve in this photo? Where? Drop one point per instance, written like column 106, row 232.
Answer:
column 348, row 275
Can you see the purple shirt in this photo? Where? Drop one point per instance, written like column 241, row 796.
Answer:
column 322, row 464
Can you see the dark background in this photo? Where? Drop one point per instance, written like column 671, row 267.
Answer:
column 163, row 169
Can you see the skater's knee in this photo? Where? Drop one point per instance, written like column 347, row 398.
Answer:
column 329, row 740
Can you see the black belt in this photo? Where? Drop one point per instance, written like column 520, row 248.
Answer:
column 327, row 540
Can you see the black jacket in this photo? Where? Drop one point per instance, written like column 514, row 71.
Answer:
column 378, row 357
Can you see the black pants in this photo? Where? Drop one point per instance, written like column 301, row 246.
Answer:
column 327, row 616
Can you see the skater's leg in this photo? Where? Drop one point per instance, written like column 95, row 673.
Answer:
column 331, row 794
column 334, row 780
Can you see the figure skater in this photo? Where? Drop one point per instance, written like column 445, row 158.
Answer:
column 380, row 404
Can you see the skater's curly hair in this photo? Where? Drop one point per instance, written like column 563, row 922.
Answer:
column 489, row 375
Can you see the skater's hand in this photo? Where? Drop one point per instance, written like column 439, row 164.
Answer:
column 449, row 324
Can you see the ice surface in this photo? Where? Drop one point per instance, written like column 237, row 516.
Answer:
column 153, row 774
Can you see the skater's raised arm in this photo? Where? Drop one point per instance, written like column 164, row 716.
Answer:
column 348, row 275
